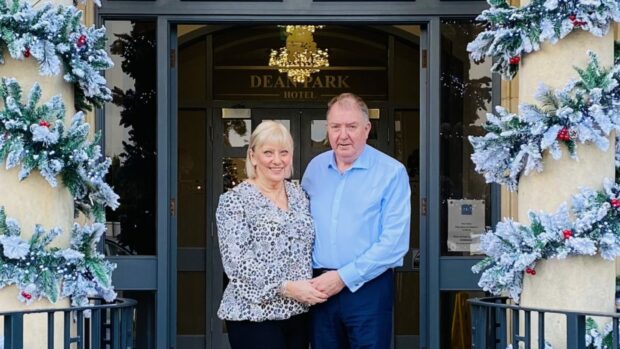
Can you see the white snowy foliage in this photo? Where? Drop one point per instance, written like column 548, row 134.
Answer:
column 514, row 143
column 590, row 227
column 54, row 36
column 516, row 31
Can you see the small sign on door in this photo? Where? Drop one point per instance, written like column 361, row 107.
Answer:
column 466, row 222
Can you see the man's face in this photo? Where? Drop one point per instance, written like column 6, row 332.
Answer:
column 347, row 131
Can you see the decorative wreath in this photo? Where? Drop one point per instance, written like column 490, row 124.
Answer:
column 513, row 248
column 586, row 110
column 34, row 137
column 53, row 35
column 515, row 31
column 38, row 271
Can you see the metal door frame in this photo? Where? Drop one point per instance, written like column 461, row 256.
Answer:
column 430, row 260
column 215, row 340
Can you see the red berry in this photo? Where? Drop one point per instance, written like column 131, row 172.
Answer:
column 615, row 203
column 567, row 233
column 514, row 60
column 563, row 135
column 27, row 52
column 81, row 41
column 572, row 18
column 44, row 123
column 26, row 295
column 530, row 271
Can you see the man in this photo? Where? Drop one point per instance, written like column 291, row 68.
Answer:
column 360, row 202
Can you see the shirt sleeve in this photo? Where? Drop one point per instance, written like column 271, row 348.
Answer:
column 251, row 278
column 393, row 240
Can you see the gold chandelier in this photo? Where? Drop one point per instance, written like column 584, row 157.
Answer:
column 300, row 57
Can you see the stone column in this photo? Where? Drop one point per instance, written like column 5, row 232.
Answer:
column 33, row 201
column 577, row 283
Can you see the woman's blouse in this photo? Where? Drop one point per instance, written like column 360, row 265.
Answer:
column 262, row 246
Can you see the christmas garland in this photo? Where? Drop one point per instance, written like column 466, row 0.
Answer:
column 586, row 110
column 52, row 34
column 514, row 248
column 39, row 271
column 35, row 138
column 513, row 32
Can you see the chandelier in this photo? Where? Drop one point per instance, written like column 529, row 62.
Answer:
column 300, row 57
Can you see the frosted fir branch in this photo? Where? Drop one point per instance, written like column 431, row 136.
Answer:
column 584, row 111
column 513, row 32
column 513, row 249
column 55, row 37
column 39, row 271
column 34, row 137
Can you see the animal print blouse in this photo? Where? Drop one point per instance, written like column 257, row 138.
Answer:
column 262, row 246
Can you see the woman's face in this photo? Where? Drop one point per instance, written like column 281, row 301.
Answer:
column 272, row 162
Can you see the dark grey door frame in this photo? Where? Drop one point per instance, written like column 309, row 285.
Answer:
column 431, row 262
column 213, row 263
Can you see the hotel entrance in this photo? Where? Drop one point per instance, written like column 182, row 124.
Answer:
column 250, row 91
column 180, row 123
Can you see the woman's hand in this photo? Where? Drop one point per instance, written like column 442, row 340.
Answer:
column 303, row 292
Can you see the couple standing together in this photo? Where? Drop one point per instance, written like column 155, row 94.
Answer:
column 331, row 243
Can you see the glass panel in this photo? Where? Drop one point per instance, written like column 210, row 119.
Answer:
column 191, row 176
column 407, row 287
column 237, row 132
column 465, row 100
column 407, row 65
column 144, row 318
column 357, row 55
column 407, row 305
column 318, row 135
column 373, row 136
column 130, row 135
column 456, row 319
column 191, row 303
column 234, row 172
column 286, row 123
column 192, row 68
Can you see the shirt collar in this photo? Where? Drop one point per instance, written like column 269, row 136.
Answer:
column 362, row 162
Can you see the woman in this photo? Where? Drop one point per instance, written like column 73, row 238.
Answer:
column 266, row 234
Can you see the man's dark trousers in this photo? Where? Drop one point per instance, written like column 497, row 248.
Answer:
column 356, row 320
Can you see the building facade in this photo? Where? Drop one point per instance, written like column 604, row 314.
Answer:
column 191, row 81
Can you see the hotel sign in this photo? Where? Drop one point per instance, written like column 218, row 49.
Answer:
column 246, row 83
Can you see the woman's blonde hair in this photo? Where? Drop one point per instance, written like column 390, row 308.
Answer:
column 268, row 132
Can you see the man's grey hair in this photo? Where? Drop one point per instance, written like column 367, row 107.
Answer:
column 350, row 99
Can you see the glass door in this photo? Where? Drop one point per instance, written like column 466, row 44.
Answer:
column 232, row 129
column 407, row 145
column 214, row 124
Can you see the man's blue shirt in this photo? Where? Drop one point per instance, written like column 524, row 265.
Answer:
column 362, row 216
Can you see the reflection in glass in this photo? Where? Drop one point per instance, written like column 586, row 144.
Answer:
column 191, row 301
column 234, row 172
column 130, row 132
column 407, row 278
column 456, row 319
column 143, row 317
column 192, row 194
column 285, row 123
column 373, row 136
column 237, row 132
column 318, row 135
column 465, row 100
